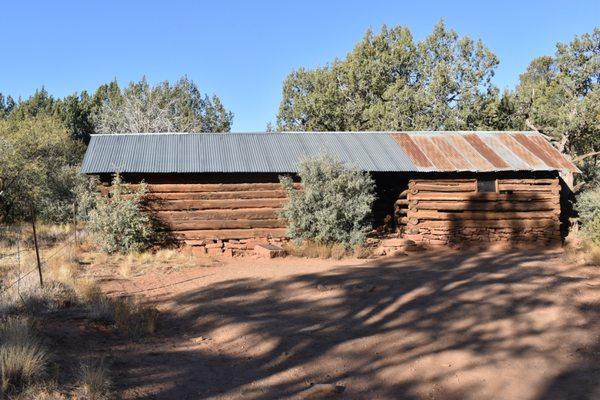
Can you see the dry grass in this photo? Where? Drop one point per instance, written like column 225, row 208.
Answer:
column 94, row 381
column 23, row 361
column 64, row 264
column 363, row 252
column 26, row 296
column 68, row 281
column 310, row 249
column 137, row 264
column 129, row 316
column 580, row 250
column 590, row 253
column 134, row 319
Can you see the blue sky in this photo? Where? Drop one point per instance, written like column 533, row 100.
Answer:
column 243, row 50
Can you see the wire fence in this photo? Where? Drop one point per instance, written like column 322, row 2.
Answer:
column 43, row 260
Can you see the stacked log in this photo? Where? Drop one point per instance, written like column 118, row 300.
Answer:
column 208, row 215
column 452, row 210
column 401, row 211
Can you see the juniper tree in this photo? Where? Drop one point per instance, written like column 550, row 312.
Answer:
column 390, row 81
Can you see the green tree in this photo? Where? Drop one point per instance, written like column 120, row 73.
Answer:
column 560, row 95
column 36, row 159
column 389, row 81
column 74, row 111
column 6, row 105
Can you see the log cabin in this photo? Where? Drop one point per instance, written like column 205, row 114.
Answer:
column 222, row 191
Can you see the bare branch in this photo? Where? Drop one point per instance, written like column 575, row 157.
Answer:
column 587, row 155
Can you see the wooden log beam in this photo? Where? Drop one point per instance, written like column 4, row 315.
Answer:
column 216, row 224
column 173, row 205
column 251, row 194
column 211, row 187
column 486, row 206
column 528, row 188
column 230, row 233
column 207, row 215
column 444, row 181
column 532, row 181
column 483, row 215
column 423, row 187
column 485, row 196
column 515, row 224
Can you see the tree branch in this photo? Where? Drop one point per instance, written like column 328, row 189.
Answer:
column 587, row 155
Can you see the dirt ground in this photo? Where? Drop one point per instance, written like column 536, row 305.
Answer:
column 432, row 325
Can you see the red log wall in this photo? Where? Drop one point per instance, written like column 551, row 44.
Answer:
column 452, row 210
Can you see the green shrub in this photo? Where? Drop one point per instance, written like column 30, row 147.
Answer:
column 118, row 220
column 333, row 206
column 588, row 207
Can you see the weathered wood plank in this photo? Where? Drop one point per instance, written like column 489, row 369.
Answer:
column 254, row 194
column 225, row 224
column 485, row 196
column 443, row 181
column 207, row 215
column 211, row 187
column 230, row 233
column 552, row 181
column 460, row 205
column 482, row 215
column 167, row 205
column 529, row 188
column 515, row 224
column 422, row 187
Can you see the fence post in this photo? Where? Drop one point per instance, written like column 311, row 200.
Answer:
column 37, row 250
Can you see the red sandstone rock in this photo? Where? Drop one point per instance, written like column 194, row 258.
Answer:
column 198, row 250
column 214, row 251
column 268, row 250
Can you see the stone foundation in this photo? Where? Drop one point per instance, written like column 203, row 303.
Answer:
column 441, row 236
column 231, row 247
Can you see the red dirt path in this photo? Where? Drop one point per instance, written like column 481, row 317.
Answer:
column 437, row 325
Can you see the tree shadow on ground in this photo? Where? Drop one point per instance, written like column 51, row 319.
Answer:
column 382, row 329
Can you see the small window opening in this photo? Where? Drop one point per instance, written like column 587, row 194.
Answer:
column 486, row 186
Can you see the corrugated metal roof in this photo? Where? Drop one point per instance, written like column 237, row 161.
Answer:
column 482, row 151
column 282, row 152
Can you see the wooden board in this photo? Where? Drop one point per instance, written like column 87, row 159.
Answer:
column 167, row 205
column 230, row 233
column 207, row 215
column 212, row 187
column 484, row 196
column 550, row 181
column 254, row 194
column 486, row 206
column 479, row 215
column 225, row 224
column 515, row 224
column 423, row 187
column 438, row 207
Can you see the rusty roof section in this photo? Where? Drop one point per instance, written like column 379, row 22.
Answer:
column 481, row 151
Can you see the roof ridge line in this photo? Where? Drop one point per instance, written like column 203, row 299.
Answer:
column 462, row 132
